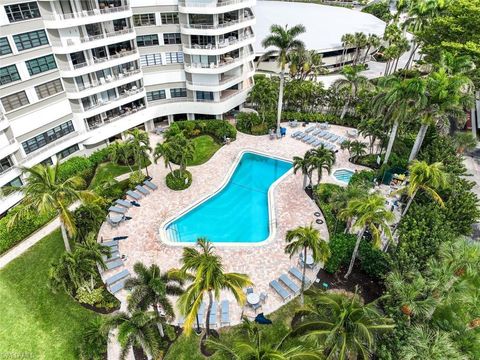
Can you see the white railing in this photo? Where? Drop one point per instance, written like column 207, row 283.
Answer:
column 220, row 45
column 87, row 13
column 218, row 26
column 115, row 118
column 110, row 79
column 102, row 36
column 124, row 95
column 209, row 4
column 104, row 59
column 221, row 64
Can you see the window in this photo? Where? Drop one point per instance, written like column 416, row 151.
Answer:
column 178, row 92
column 41, row 64
column 17, row 182
column 20, row 12
column 8, row 74
column 144, row 19
column 30, row 40
column 47, row 137
column 5, row 164
column 49, row 88
column 156, row 95
column 174, row 57
column 172, row 38
column 14, row 101
column 47, row 161
column 68, row 151
column 170, row 18
column 4, row 46
column 204, row 95
column 150, row 59
column 147, row 40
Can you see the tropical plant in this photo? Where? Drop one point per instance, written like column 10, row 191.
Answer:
column 304, row 165
column 341, row 324
column 44, row 192
column 205, row 271
column 321, row 159
column 182, row 150
column 164, row 150
column 140, row 145
column 303, row 239
column 251, row 344
column 360, row 41
column 465, row 141
column 352, row 82
column 357, row 149
column 373, row 41
column 120, row 153
column 346, row 145
column 369, row 213
column 341, row 196
column 151, row 288
column 263, row 96
column 284, row 41
column 94, row 340
column 137, row 330
column 348, row 41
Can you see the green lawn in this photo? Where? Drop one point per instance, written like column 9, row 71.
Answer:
column 205, row 147
column 107, row 171
column 33, row 320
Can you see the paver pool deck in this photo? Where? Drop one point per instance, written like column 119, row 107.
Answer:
column 262, row 263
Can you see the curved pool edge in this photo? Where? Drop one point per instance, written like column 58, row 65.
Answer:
column 339, row 181
column 272, row 217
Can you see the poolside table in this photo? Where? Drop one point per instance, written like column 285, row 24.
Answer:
column 309, row 260
column 253, row 298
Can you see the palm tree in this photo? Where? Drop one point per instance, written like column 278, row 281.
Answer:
column 346, row 145
column 321, row 159
column 120, row 152
column 360, row 41
column 358, row 148
column 137, row 330
column 347, row 41
column 284, row 41
column 182, row 150
column 426, row 177
column 205, row 271
column 341, row 196
column 373, row 41
column 252, row 345
column 304, row 164
column 164, row 150
column 369, row 213
column 150, row 288
column 94, row 340
column 397, row 101
column 465, row 141
column 44, row 192
column 447, row 98
column 306, row 238
column 140, row 143
column 342, row 325
column 352, row 82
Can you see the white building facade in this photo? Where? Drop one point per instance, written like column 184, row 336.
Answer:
column 76, row 74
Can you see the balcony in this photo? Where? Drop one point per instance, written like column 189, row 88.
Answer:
column 3, row 122
column 212, row 7
column 98, row 124
column 224, row 83
column 218, row 29
column 126, row 94
column 222, row 66
column 10, row 148
column 219, row 48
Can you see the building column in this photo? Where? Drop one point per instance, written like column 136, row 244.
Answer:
column 149, row 125
column 170, row 119
column 219, row 116
column 190, row 116
column 473, row 121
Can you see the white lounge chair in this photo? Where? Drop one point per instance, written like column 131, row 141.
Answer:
column 150, row 185
column 289, row 283
column 117, row 210
column 123, row 203
column 134, row 195
column 298, row 275
column 142, row 190
column 117, row 277
column 280, row 290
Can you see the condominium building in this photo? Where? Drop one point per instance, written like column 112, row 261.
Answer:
column 76, row 74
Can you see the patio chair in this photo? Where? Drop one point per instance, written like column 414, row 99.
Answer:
column 341, row 140
column 255, row 307
column 117, row 286
column 114, row 264
column 328, row 136
column 213, row 314
column 334, row 138
column 263, row 297
column 289, row 283
column 316, row 143
column 322, row 133
column 225, row 313
column 316, row 132
column 301, row 136
column 249, row 290
column 114, row 255
column 150, row 185
column 117, row 210
column 114, row 221
column 312, row 140
column 280, row 290
column 306, row 138
column 295, row 134
column 111, row 243
column 142, row 190
column 134, row 195
column 298, row 275
column 310, row 129
column 117, row 277
column 123, row 203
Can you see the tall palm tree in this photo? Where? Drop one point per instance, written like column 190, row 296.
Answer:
column 322, row 159
column 45, row 192
column 304, row 165
column 425, row 177
column 150, row 288
column 341, row 196
column 205, row 271
column 348, row 41
column 358, row 148
column 183, row 151
column 94, row 340
column 360, row 41
column 369, row 213
column 137, row 330
column 120, row 152
column 306, row 238
column 164, row 150
column 284, row 41
column 447, row 98
column 342, row 325
column 352, row 82
column 140, row 144
column 396, row 102
column 252, row 345
column 373, row 41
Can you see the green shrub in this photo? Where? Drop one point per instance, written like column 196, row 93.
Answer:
column 76, row 166
column 380, row 9
column 363, row 178
column 374, row 261
column 176, row 182
column 341, row 248
column 99, row 156
column 324, row 191
column 219, row 129
column 88, row 296
column 113, row 190
column 88, row 218
column 136, row 178
column 170, row 332
column 251, row 123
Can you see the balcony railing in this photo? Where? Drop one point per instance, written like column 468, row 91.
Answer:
column 87, row 39
column 87, row 13
column 210, row 4
column 222, row 63
column 104, row 59
column 49, row 146
column 110, row 79
column 114, row 118
column 125, row 94
column 221, row 45
column 218, row 26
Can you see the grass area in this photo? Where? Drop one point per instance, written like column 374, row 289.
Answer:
column 35, row 322
column 189, row 347
column 107, row 171
column 205, row 147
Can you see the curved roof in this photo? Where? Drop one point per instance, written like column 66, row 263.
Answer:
column 325, row 25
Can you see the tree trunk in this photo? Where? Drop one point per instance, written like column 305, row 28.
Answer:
column 305, row 179
column 410, row 200
column 366, row 54
column 393, row 135
column 209, row 309
column 302, row 287
column 412, row 54
column 280, row 102
column 354, row 254
column 387, row 65
column 159, row 323
column 418, row 142
column 65, row 237
column 345, row 108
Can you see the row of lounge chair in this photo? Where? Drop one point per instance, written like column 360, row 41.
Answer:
column 291, row 287
column 317, row 137
column 213, row 318
column 115, row 282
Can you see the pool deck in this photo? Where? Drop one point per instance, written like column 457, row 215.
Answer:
column 262, row 263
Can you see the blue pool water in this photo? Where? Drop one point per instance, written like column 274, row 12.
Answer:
column 343, row 175
column 239, row 212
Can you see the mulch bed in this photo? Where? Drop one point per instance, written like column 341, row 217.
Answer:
column 368, row 287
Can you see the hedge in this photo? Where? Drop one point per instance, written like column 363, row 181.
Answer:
column 77, row 166
column 219, row 129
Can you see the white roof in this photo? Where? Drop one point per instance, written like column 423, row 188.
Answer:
column 324, row 25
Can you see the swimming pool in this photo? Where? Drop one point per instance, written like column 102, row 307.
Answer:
column 343, row 175
column 239, row 212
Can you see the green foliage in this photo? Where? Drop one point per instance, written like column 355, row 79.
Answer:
column 89, row 296
column 251, row 123
column 99, row 156
column 205, row 147
column 341, row 249
column 363, row 178
column 219, row 129
column 76, row 166
column 380, row 9
column 175, row 180
column 374, row 261
column 113, row 189
column 88, row 218
column 170, row 332
column 443, row 149
column 136, row 178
